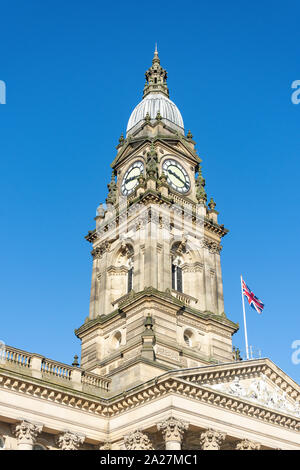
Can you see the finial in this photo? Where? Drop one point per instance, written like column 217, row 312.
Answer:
column 211, row 204
column 100, row 211
column 200, row 184
column 156, row 77
column 158, row 116
column 148, row 322
column 75, row 362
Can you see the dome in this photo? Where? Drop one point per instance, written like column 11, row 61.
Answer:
column 152, row 103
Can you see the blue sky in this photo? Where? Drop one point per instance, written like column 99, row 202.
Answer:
column 74, row 71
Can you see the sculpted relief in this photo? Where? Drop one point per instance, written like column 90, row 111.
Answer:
column 261, row 392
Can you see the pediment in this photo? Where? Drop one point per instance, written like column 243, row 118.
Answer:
column 258, row 382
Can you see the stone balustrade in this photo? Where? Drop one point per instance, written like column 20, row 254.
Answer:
column 15, row 356
column 40, row 367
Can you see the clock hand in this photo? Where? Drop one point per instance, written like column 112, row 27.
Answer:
column 132, row 178
column 176, row 176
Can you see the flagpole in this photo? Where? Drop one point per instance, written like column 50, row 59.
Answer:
column 245, row 324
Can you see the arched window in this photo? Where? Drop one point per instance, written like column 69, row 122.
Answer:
column 120, row 273
column 177, row 275
column 116, row 340
column 1, row 443
column 130, row 275
column 188, row 338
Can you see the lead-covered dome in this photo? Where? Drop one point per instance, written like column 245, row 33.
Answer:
column 156, row 100
column 152, row 104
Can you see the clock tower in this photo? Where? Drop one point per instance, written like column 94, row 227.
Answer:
column 157, row 292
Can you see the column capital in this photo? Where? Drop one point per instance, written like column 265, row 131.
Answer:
column 211, row 439
column 137, row 440
column 26, row 432
column 173, row 429
column 69, row 440
column 105, row 446
column 247, row 445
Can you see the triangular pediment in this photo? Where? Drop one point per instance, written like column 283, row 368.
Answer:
column 170, row 144
column 259, row 382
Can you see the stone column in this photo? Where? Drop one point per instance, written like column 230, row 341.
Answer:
column 69, row 440
column 247, row 445
column 137, row 440
column 172, row 430
column 26, row 433
column 211, row 439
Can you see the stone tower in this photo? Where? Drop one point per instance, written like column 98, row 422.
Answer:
column 157, row 290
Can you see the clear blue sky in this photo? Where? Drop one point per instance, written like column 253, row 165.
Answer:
column 74, row 71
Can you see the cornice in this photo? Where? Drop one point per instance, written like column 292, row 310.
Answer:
column 184, row 382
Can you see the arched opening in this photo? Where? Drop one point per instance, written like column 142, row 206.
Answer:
column 130, row 275
column 177, row 274
column 120, row 273
column 188, row 337
column 116, row 340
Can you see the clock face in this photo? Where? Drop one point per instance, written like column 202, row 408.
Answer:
column 176, row 175
column 130, row 180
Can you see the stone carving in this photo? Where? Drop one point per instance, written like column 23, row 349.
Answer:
column 260, row 392
column 211, row 439
column 200, row 185
column 26, row 432
column 172, row 429
column 112, row 190
column 151, row 165
column 212, row 247
column 247, row 445
column 105, row 446
column 69, row 441
column 100, row 250
column 167, row 353
column 137, row 440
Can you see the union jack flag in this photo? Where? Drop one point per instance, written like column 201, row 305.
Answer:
column 253, row 301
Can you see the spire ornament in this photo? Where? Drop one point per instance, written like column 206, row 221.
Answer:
column 151, row 165
column 156, row 78
column 212, row 204
column 158, row 116
column 200, row 185
column 112, row 190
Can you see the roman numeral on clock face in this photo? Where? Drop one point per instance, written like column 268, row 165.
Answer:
column 177, row 176
column 130, row 180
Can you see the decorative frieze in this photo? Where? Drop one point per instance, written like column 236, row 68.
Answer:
column 247, row 445
column 69, row 441
column 137, row 440
column 211, row 439
column 259, row 391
